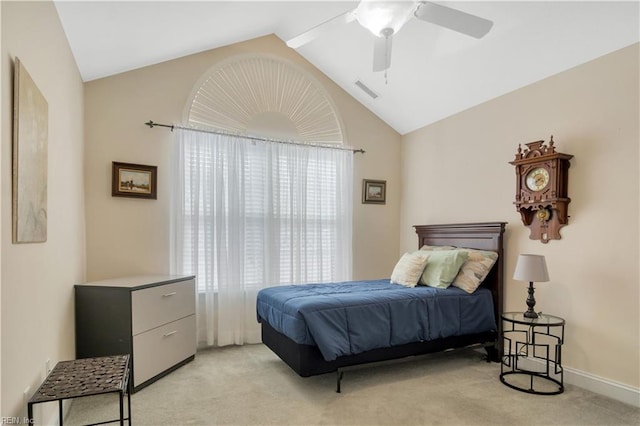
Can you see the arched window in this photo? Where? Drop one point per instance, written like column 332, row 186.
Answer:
column 266, row 97
column 256, row 214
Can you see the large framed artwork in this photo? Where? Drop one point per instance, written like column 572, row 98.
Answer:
column 134, row 180
column 30, row 134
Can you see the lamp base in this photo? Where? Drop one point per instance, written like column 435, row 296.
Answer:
column 531, row 302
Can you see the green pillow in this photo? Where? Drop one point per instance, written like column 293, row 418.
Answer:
column 442, row 267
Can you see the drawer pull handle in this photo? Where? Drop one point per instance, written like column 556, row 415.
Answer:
column 171, row 333
column 169, row 294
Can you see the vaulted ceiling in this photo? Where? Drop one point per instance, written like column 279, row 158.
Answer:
column 434, row 73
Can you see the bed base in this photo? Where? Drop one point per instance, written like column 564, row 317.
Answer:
column 306, row 360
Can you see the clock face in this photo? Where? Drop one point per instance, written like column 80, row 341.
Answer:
column 537, row 179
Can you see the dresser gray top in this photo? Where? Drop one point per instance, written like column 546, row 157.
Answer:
column 138, row 281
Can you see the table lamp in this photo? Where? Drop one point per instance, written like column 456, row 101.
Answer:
column 531, row 267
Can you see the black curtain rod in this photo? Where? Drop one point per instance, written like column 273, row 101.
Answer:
column 153, row 124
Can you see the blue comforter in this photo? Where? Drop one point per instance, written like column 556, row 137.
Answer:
column 352, row 317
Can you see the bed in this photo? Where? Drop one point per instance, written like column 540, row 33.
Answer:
column 308, row 353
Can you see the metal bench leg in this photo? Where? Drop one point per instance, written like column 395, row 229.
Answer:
column 121, row 408
column 129, row 404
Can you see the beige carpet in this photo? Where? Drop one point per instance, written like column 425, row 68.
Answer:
column 249, row 385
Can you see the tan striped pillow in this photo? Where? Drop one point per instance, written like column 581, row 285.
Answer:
column 436, row 248
column 475, row 269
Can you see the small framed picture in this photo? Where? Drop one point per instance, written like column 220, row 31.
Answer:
column 374, row 191
column 134, row 180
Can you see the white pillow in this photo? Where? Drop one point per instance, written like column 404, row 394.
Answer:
column 409, row 268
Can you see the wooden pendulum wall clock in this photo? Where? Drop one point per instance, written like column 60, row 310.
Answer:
column 542, row 178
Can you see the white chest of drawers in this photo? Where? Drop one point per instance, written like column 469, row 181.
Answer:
column 150, row 317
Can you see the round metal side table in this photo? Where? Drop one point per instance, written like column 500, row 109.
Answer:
column 532, row 353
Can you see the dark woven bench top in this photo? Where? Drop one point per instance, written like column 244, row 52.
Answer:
column 84, row 377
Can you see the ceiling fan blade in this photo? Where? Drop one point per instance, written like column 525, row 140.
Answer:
column 382, row 53
column 314, row 32
column 453, row 19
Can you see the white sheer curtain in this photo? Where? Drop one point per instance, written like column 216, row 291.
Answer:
column 248, row 215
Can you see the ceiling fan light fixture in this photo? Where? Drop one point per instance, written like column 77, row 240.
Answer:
column 378, row 16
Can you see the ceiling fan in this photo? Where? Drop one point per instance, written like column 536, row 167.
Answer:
column 385, row 18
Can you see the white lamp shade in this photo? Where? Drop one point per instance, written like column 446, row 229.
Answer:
column 376, row 15
column 531, row 268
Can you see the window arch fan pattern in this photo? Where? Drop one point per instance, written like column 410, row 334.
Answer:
column 243, row 94
column 249, row 212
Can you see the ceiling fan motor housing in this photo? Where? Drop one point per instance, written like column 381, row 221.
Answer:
column 381, row 17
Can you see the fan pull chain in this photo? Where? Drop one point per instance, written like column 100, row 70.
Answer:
column 387, row 59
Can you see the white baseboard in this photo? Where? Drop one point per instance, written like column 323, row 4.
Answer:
column 600, row 385
column 612, row 389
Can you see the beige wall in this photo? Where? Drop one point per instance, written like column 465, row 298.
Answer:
column 130, row 236
column 457, row 170
column 38, row 279
column 2, row 89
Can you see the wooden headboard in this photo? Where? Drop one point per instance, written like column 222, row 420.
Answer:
column 482, row 236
